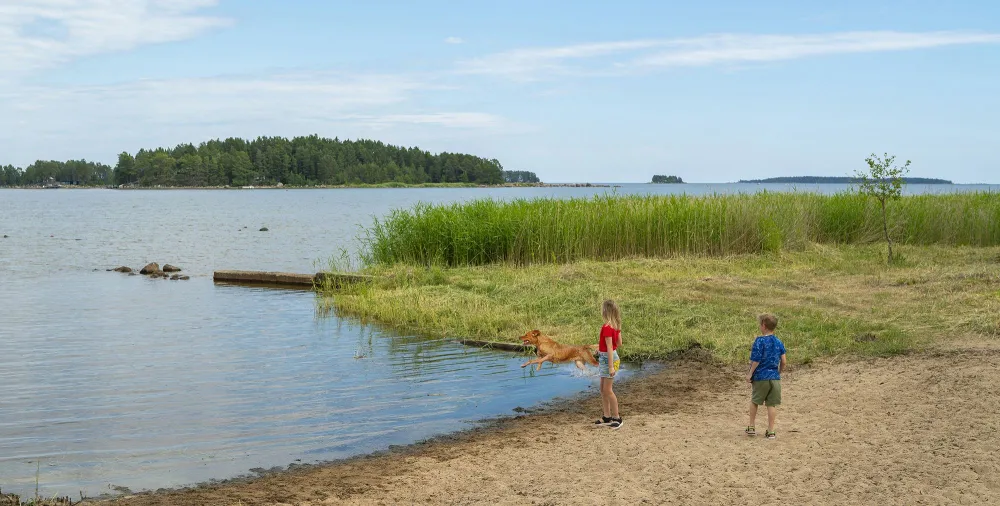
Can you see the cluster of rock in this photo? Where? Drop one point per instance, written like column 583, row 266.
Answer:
column 154, row 271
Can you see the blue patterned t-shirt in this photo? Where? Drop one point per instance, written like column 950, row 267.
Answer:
column 767, row 352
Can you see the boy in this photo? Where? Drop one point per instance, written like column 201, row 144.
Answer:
column 767, row 361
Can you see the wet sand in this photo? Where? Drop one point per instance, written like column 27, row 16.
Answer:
column 916, row 429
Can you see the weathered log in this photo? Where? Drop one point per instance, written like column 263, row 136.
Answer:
column 337, row 280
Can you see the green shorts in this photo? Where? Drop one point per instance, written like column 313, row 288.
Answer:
column 766, row 392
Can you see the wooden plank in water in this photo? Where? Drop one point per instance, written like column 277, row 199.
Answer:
column 288, row 278
column 264, row 278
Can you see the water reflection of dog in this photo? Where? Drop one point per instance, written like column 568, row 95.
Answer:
column 549, row 350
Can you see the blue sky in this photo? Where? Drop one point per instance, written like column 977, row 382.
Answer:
column 711, row 91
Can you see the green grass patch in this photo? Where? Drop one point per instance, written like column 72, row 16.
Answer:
column 830, row 300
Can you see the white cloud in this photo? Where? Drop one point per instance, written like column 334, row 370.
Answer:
column 97, row 122
column 454, row 40
column 529, row 63
column 77, row 28
column 760, row 48
column 630, row 56
column 444, row 119
column 215, row 99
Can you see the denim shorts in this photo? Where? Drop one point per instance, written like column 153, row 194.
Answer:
column 602, row 361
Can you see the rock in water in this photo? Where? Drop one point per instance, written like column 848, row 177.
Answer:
column 122, row 269
column 151, row 268
column 263, row 229
column 175, row 277
column 184, row 278
column 171, row 268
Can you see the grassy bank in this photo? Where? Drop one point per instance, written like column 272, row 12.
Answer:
column 831, row 299
column 618, row 227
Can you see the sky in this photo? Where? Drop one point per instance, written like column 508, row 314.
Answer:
column 711, row 91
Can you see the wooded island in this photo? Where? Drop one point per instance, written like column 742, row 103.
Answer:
column 267, row 161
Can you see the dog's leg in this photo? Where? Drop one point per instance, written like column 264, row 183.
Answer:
column 541, row 360
column 537, row 360
column 579, row 365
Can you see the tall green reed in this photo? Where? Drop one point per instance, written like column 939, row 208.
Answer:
column 610, row 227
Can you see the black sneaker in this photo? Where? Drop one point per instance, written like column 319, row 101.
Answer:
column 616, row 423
column 604, row 420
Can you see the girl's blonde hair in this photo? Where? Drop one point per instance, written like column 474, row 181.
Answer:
column 612, row 315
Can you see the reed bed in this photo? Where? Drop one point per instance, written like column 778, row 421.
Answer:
column 613, row 227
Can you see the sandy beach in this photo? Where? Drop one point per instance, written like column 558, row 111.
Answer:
column 915, row 429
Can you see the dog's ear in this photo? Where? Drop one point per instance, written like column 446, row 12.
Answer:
column 536, row 333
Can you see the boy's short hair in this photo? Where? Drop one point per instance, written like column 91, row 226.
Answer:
column 768, row 320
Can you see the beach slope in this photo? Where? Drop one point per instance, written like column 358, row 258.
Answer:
column 911, row 429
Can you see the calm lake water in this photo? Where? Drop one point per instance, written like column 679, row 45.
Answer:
column 117, row 381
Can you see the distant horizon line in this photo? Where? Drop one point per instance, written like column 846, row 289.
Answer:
column 754, row 183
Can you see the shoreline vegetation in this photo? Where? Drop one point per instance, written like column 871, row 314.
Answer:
column 687, row 271
column 389, row 185
column 614, row 227
column 839, row 180
column 831, row 300
column 268, row 161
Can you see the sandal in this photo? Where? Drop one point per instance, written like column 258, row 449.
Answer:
column 770, row 435
column 751, row 431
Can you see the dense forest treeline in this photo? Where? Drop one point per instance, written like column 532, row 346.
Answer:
column 71, row 172
column 838, row 180
column 300, row 161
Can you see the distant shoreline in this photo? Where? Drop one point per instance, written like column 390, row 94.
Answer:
column 320, row 187
column 837, row 180
column 472, row 185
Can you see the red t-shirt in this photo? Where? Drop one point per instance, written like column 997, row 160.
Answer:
column 608, row 331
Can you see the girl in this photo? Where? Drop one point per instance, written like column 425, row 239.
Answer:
column 607, row 346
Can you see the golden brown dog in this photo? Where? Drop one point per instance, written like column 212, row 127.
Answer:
column 549, row 350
